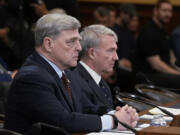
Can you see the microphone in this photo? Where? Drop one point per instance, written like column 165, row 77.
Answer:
column 123, row 124
column 145, row 102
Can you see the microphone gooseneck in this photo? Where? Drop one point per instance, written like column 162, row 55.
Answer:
column 148, row 103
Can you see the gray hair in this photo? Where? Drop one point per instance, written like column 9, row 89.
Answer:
column 57, row 11
column 91, row 37
column 51, row 25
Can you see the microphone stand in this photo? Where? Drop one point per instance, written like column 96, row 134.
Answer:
column 145, row 102
column 151, row 104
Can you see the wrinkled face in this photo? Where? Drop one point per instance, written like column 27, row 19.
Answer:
column 105, row 54
column 65, row 49
column 164, row 13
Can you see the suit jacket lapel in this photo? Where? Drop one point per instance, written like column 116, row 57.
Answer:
column 64, row 91
column 92, row 84
column 43, row 63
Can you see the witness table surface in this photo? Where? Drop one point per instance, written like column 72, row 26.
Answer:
column 175, row 104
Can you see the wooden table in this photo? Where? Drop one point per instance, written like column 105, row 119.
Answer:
column 147, row 112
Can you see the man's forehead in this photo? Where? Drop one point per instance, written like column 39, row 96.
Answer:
column 71, row 34
column 108, row 36
column 165, row 5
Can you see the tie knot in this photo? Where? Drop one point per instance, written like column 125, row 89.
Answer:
column 101, row 84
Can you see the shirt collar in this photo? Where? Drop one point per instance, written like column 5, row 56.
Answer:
column 94, row 75
column 56, row 68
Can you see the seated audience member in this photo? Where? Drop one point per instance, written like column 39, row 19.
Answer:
column 105, row 15
column 126, row 45
column 176, row 42
column 101, row 15
column 98, row 56
column 112, row 16
column 5, row 74
column 126, row 41
column 44, row 90
column 133, row 26
column 154, row 52
column 7, row 52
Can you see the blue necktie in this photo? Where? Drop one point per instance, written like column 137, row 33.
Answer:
column 105, row 91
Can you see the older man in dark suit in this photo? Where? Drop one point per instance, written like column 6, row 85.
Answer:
column 41, row 91
column 98, row 56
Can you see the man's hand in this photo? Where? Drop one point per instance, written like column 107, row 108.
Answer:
column 134, row 116
column 127, row 115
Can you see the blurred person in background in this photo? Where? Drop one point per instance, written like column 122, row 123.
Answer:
column 176, row 42
column 101, row 16
column 112, row 16
column 126, row 46
column 126, row 41
column 133, row 25
column 16, row 41
column 155, row 57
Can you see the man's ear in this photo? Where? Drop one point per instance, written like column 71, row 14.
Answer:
column 48, row 44
column 91, row 53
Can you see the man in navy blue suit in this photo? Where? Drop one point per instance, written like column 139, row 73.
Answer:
column 98, row 56
column 44, row 90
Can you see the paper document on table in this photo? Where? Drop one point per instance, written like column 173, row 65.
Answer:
column 111, row 133
column 150, row 117
column 172, row 110
column 117, row 132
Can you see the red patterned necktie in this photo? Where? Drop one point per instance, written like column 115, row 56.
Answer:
column 66, row 84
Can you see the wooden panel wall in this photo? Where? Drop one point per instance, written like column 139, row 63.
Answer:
column 144, row 10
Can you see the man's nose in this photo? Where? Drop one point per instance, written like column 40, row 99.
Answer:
column 78, row 47
column 115, row 56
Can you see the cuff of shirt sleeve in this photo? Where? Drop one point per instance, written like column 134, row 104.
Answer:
column 111, row 112
column 107, row 122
